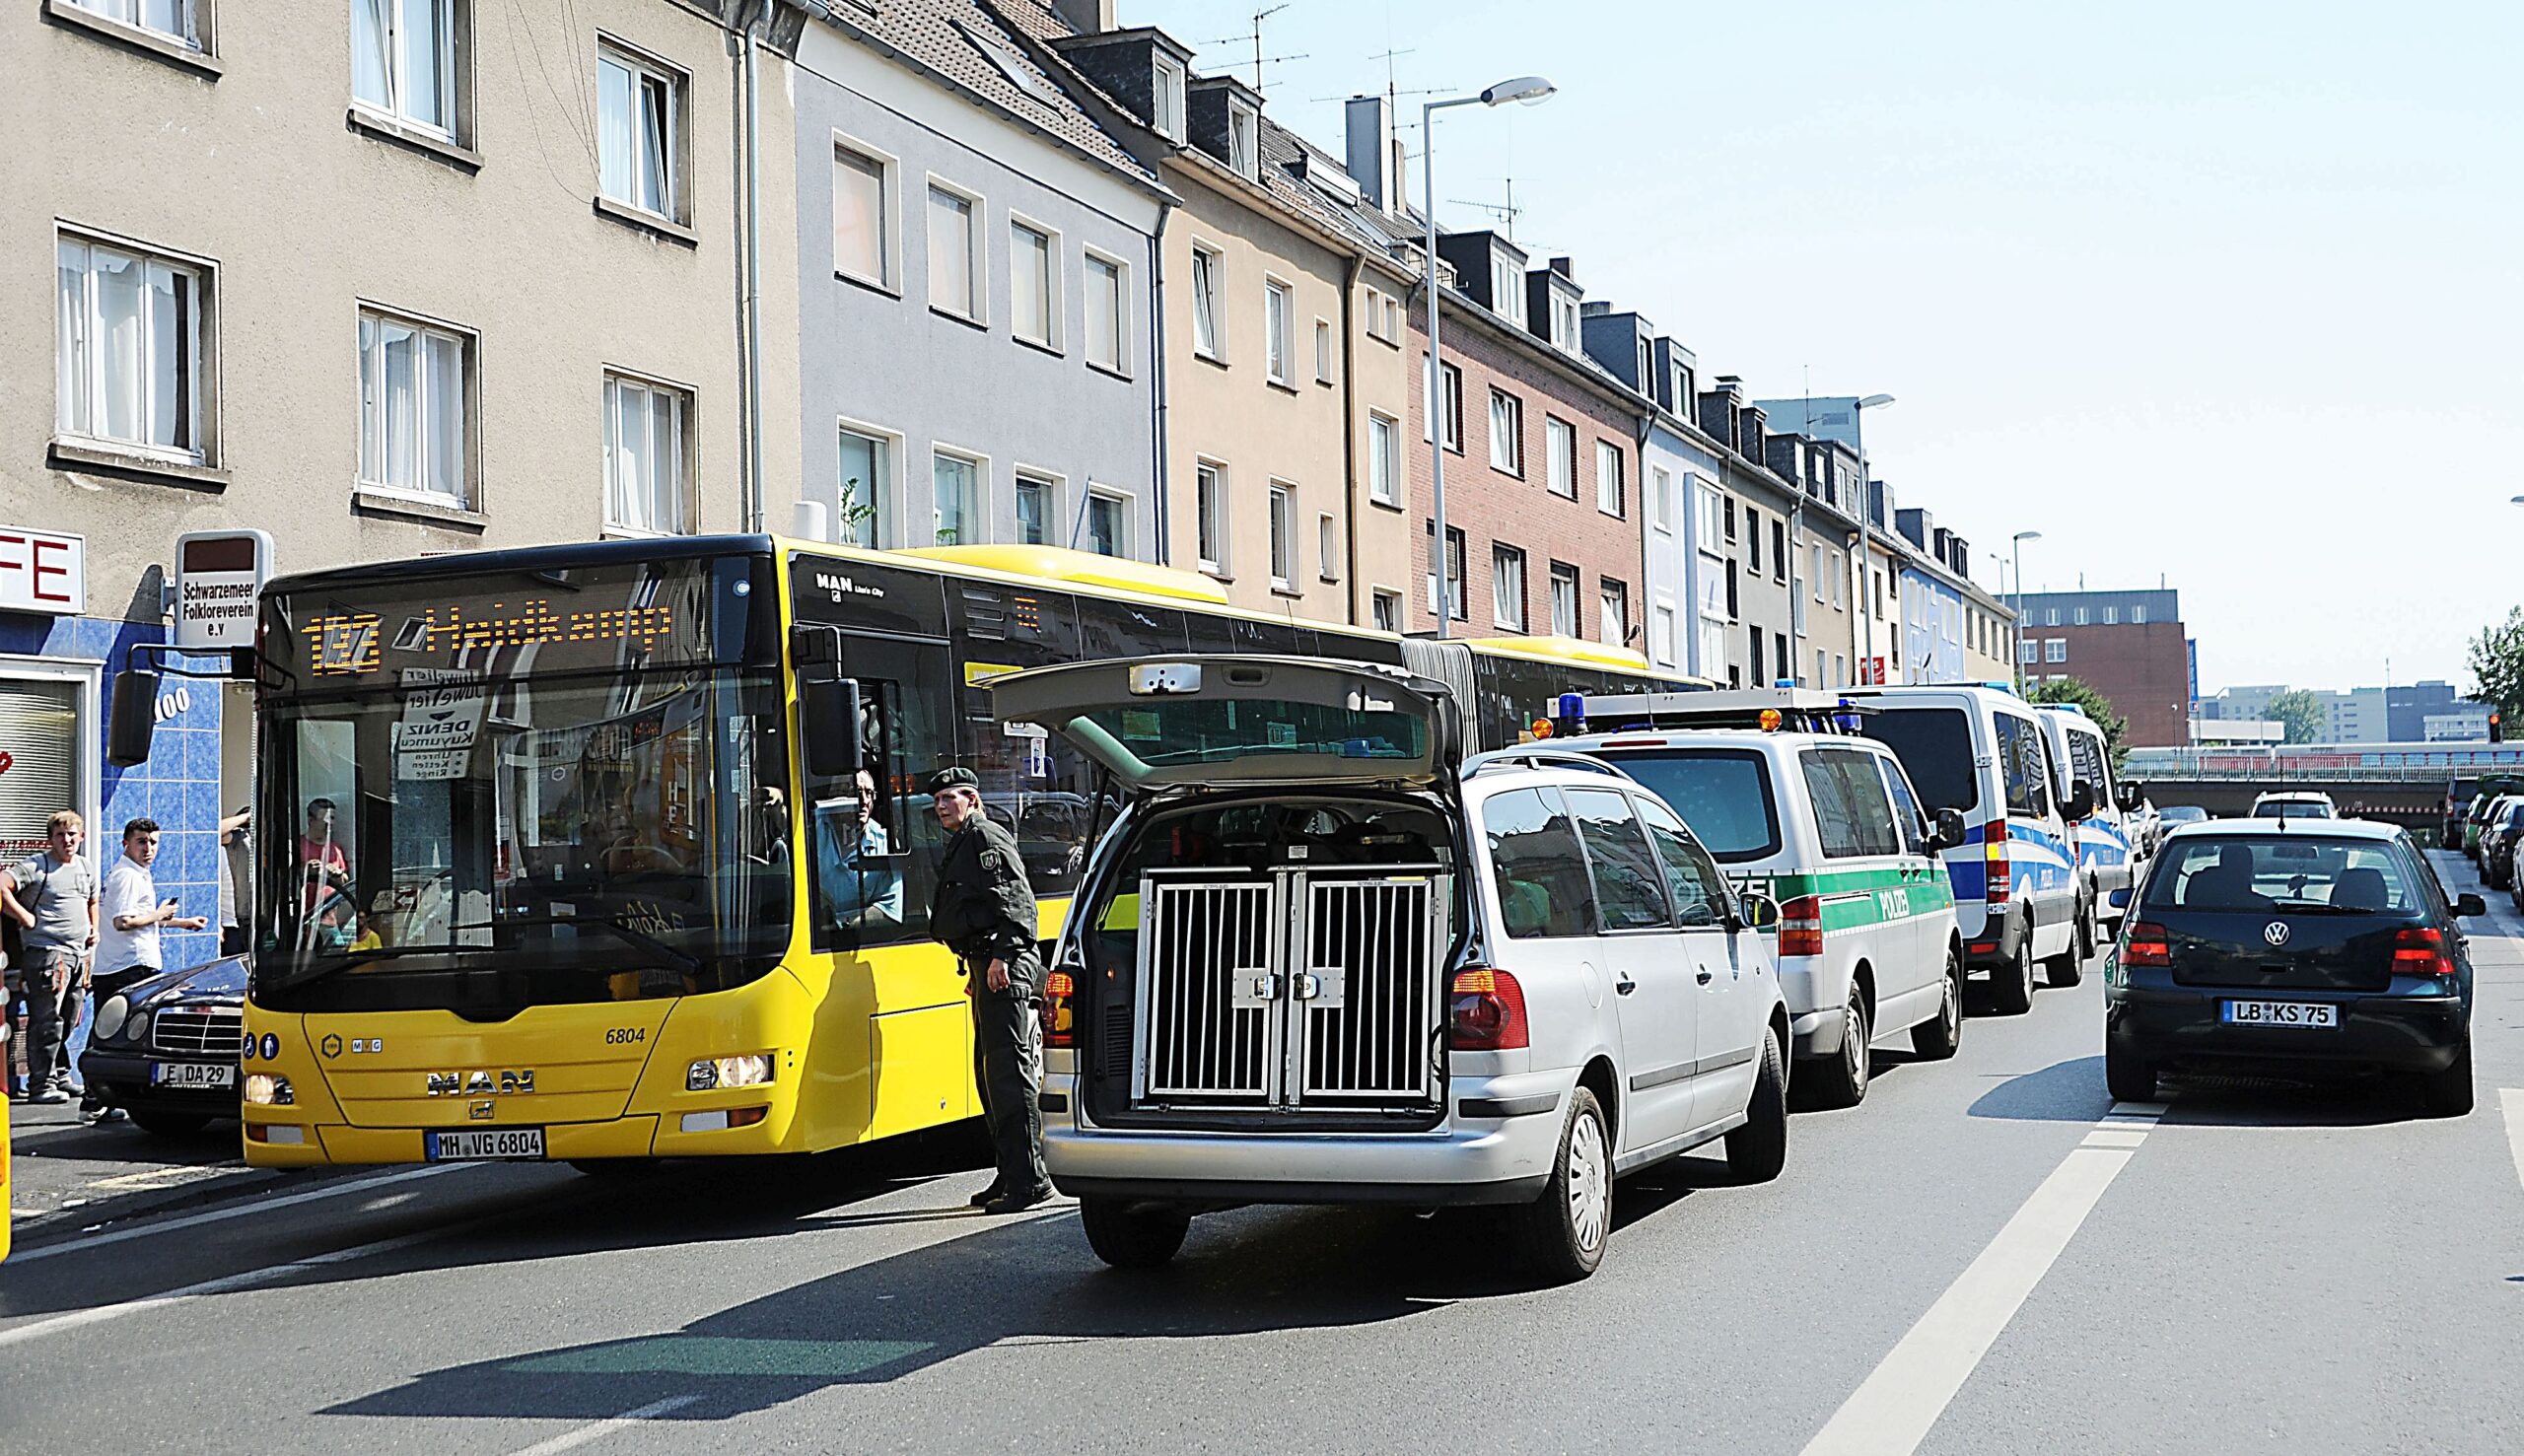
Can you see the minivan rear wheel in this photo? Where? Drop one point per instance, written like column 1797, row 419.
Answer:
column 1939, row 1036
column 1564, row 1232
column 2011, row 985
column 1757, row 1151
column 1133, row 1235
column 1841, row 1081
column 2069, row 967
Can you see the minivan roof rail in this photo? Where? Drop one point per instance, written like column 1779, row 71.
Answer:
column 1527, row 757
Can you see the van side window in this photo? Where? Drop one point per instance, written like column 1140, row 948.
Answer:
column 1691, row 877
column 1905, row 808
column 1864, row 789
column 2085, row 761
column 2024, row 763
column 1535, row 865
column 1835, row 818
column 1628, row 884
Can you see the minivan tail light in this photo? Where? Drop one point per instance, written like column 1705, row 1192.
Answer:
column 1800, row 925
column 2419, row 950
column 2146, row 944
column 2001, row 871
column 1060, row 1026
column 1487, row 1011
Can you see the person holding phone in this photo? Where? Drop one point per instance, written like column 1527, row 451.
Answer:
column 127, row 948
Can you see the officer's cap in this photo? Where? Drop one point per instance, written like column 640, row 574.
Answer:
column 953, row 778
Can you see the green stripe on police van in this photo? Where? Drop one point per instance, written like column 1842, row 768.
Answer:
column 1853, row 899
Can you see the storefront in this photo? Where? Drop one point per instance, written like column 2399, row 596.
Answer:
column 57, row 655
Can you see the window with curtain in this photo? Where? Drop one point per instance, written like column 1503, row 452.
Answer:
column 644, row 435
column 1106, row 314
column 1614, row 598
column 412, row 436
column 1560, row 444
column 861, row 230
column 956, row 505
column 638, row 114
column 1564, row 600
column 1609, row 492
column 1508, row 586
column 954, row 272
column 1385, row 460
column 1035, row 510
column 1506, row 433
column 1034, row 299
column 863, row 485
column 403, row 60
column 176, row 20
column 1108, row 524
column 127, row 349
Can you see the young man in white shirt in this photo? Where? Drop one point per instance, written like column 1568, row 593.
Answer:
column 127, row 939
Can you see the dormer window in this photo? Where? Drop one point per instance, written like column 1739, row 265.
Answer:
column 1563, row 323
column 1243, row 138
column 1504, row 290
column 1165, row 99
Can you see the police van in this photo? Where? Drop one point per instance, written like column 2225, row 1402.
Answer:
column 1796, row 807
column 2018, row 898
column 2106, row 852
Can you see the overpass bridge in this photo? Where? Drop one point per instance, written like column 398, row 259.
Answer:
column 2409, row 792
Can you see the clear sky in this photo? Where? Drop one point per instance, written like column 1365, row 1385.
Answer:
column 2231, row 294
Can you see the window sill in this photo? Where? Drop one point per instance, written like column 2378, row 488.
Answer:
column 1498, row 470
column 647, row 222
column 104, row 459
column 1283, row 589
column 966, row 319
column 147, row 42
column 1284, row 387
column 414, row 508
column 1329, row 580
column 871, row 284
column 1108, row 371
column 1207, row 358
column 1039, row 347
column 1219, row 574
column 387, row 129
column 1380, row 501
column 1615, row 514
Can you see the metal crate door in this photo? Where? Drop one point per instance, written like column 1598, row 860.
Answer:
column 1365, row 998
column 1209, row 1027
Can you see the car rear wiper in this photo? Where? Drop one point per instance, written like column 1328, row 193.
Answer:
column 684, row 960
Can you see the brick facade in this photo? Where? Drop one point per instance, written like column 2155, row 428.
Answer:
column 1494, row 508
column 2143, row 670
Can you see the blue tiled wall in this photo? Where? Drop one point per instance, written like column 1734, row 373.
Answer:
column 178, row 786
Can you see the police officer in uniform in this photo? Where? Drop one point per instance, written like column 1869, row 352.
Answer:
column 984, row 911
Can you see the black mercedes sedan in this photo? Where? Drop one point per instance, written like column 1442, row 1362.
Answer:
column 165, row 1050
column 2291, row 948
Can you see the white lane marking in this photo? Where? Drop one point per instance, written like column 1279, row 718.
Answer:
column 1892, row 1410
column 234, row 1210
column 225, row 1283
column 2140, row 1109
column 2115, row 1138
column 585, row 1433
column 2511, row 1102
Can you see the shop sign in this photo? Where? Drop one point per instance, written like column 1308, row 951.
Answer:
column 218, row 576
column 43, row 571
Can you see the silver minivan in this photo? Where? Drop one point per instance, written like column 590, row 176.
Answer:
column 1316, row 962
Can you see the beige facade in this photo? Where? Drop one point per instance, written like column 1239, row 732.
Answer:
column 305, row 231
column 1275, row 383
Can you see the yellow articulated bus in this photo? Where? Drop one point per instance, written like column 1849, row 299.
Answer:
column 569, row 854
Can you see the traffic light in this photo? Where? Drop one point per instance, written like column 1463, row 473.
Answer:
column 2497, row 734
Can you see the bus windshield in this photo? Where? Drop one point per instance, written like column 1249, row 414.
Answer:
column 464, row 830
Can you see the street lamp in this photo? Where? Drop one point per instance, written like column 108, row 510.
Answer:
column 1865, row 552
column 2021, row 538
column 1529, row 90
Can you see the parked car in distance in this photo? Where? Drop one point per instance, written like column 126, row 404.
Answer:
column 2018, row 898
column 1316, row 962
column 166, row 1050
column 2473, row 823
column 1827, row 825
column 2261, row 946
column 2497, row 845
column 2294, row 804
column 2174, row 816
column 2457, row 808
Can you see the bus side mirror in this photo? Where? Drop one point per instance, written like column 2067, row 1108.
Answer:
column 832, row 734
column 1951, row 830
column 2080, row 802
column 133, row 719
column 2128, row 796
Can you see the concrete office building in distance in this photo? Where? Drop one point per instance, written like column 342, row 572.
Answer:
column 351, row 274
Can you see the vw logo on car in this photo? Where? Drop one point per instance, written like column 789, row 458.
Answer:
column 2276, row 933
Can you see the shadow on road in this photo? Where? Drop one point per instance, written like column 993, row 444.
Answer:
column 2072, row 1092
column 2069, row 1092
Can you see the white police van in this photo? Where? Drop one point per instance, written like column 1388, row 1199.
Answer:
column 2107, row 854
column 1795, row 806
column 2018, row 898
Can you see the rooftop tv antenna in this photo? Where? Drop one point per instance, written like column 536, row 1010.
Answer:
column 1255, row 36
column 1506, row 213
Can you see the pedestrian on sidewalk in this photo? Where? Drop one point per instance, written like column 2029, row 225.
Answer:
column 983, row 908
column 233, row 845
column 127, row 950
column 52, row 897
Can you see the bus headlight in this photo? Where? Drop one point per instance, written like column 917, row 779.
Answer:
column 263, row 1090
column 728, row 1071
column 110, row 1017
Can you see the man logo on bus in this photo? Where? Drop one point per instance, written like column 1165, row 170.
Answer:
column 480, row 1083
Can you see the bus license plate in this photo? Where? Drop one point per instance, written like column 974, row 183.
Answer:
column 2281, row 1013
column 192, row 1075
column 486, row 1144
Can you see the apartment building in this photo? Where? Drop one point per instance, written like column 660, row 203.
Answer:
column 1682, row 569
column 976, row 336
column 2129, row 645
column 1541, row 451
column 348, row 273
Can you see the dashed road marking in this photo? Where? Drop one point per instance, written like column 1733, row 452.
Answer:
column 607, row 1426
column 2511, row 1102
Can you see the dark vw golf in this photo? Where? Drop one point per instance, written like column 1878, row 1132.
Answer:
column 2292, row 947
